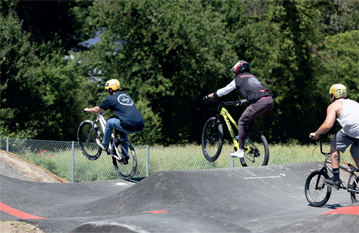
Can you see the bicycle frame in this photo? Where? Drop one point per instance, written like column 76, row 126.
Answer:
column 229, row 119
column 101, row 120
column 327, row 167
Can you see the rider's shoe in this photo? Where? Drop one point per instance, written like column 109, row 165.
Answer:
column 124, row 159
column 99, row 143
column 238, row 154
column 331, row 182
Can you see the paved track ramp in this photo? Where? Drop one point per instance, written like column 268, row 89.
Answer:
column 252, row 199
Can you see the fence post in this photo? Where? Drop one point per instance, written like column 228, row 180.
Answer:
column 147, row 159
column 232, row 162
column 73, row 162
column 7, row 143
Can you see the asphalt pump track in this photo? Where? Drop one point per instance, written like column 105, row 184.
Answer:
column 250, row 199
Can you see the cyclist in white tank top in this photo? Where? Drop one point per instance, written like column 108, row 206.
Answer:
column 349, row 118
column 346, row 112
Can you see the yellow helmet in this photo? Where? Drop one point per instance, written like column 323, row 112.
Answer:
column 114, row 84
column 338, row 90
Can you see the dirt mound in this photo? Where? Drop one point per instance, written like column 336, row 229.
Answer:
column 29, row 169
column 30, row 172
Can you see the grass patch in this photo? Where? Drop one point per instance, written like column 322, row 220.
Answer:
column 186, row 157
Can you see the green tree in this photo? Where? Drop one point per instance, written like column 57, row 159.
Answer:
column 16, row 54
column 275, row 38
column 338, row 62
column 166, row 53
column 39, row 98
column 57, row 22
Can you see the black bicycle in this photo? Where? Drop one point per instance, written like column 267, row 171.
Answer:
column 256, row 146
column 318, row 193
column 124, row 164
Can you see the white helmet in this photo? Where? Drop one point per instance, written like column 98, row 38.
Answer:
column 338, row 90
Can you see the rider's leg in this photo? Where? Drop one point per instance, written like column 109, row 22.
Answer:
column 110, row 125
column 356, row 160
column 354, row 151
column 339, row 144
column 248, row 118
column 335, row 159
column 250, row 115
column 124, row 136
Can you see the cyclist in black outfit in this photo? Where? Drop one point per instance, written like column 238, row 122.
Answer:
column 253, row 91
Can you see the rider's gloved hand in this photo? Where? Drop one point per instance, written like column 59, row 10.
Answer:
column 206, row 98
column 243, row 101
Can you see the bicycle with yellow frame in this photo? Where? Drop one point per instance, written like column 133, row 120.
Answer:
column 256, row 146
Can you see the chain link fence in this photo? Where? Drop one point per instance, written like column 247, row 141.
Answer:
column 65, row 159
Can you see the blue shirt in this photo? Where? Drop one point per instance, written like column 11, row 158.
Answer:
column 122, row 105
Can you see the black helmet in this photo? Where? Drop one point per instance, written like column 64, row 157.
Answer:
column 240, row 67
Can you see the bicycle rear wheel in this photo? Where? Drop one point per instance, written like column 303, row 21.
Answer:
column 316, row 191
column 125, row 170
column 86, row 137
column 354, row 194
column 212, row 139
column 258, row 154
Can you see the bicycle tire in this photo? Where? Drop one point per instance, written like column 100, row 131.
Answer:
column 86, row 137
column 354, row 194
column 125, row 171
column 317, row 196
column 212, row 139
column 259, row 156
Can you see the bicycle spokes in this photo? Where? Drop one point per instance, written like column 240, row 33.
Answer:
column 212, row 139
column 256, row 149
column 318, row 186
column 212, row 135
column 91, row 137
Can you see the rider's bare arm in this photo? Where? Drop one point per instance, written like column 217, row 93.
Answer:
column 211, row 96
column 93, row 110
column 333, row 111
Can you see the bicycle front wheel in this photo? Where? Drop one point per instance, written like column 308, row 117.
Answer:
column 354, row 193
column 125, row 170
column 316, row 191
column 258, row 154
column 86, row 137
column 212, row 139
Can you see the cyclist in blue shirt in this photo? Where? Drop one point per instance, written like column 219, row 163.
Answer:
column 129, row 119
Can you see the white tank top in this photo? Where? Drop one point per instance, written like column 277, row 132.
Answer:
column 349, row 118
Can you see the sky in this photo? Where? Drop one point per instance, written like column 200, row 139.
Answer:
column 91, row 41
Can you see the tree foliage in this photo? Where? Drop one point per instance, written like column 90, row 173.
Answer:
column 163, row 52
column 57, row 22
column 169, row 54
column 39, row 98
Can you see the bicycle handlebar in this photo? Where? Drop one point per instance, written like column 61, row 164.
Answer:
column 89, row 112
column 235, row 103
column 321, row 145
